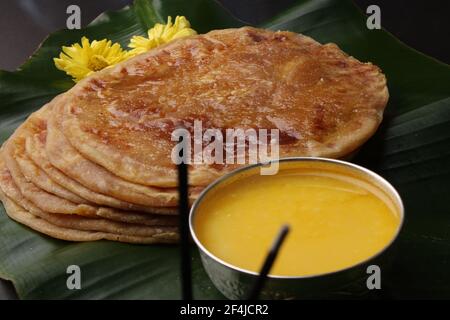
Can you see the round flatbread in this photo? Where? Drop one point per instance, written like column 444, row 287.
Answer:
column 106, row 219
column 322, row 101
column 16, row 212
column 35, row 149
column 67, row 159
column 8, row 186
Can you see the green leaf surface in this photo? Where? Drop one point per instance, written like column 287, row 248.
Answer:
column 411, row 149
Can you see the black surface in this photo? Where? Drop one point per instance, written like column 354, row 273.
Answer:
column 423, row 25
column 185, row 243
column 268, row 262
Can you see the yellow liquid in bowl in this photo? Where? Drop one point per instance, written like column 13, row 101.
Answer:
column 336, row 221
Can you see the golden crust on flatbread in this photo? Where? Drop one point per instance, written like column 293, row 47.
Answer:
column 67, row 159
column 39, row 178
column 324, row 102
column 29, row 141
column 35, row 149
column 63, row 156
column 45, row 201
column 11, row 190
column 108, row 220
column 95, row 162
column 16, row 212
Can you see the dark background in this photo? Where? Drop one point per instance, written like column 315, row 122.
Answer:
column 423, row 25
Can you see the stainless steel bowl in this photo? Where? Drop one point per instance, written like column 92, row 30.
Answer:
column 235, row 282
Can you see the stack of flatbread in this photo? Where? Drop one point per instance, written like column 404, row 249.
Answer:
column 95, row 162
column 48, row 185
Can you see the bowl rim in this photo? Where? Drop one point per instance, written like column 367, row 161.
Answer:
column 388, row 187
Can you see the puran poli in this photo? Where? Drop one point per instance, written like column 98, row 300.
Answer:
column 42, row 199
column 38, row 177
column 37, row 200
column 79, row 222
column 33, row 130
column 138, row 218
column 8, row 186
column 324, row 102
column 35, row 148
column 37, row 223
column 95, row 162
column 63, row 156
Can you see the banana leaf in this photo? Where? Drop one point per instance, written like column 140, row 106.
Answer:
column 411, row 150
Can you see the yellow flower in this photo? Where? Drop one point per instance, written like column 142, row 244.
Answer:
column 80, row 61
column 161, row 34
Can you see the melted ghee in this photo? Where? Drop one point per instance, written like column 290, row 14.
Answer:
column 336, row 221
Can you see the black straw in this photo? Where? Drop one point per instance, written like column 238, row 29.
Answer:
column 186, row 281
column 268, row 262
